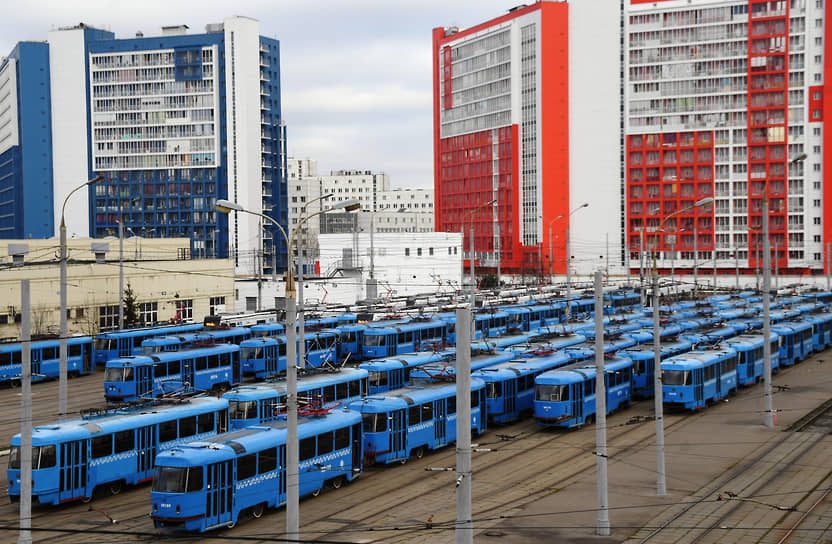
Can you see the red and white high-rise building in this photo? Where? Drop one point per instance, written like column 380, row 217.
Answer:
column 527, row 114
column 721, row 96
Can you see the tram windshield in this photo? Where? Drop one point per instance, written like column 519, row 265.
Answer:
column 676, row 377
column 105, row 344
column 378, row 378
column 242, row 409
column 374, row 423
column 251, row 353
column 177, row 479
column 552, row 393
column 42, row 457
column 119, row 375
column 150, row 350
column 493, row 390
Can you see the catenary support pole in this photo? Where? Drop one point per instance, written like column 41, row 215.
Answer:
column 768, row 413
column 568, row 277
column 301, row 311
column 695, row 261
column 661, row 484
column 641, row 265
column 63, row 331
column 602, row 527
column 120, row 271
column 25, row 536
column 292, row 452
column 464, row 526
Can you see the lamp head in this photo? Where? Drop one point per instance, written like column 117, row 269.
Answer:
column 226, row 206
column 704, row 202
column 584, row 205
column 799, row 158
column 97, row 178
column 346, row 205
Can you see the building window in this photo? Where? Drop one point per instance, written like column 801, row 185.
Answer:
column 816, row 203
column 430, row 251
column 816, row 185
column 216, row 305
column 149, row 312
column 418, row 252
column 816, row 131
column 184, row 310
column 4, row 319
column 407, row 252
column 817, row 256
column 816, row 220
column 108, row 318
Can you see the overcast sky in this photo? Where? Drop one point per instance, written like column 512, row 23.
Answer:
column 356, row 74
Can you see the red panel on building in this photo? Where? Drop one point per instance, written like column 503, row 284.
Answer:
column 816, row 103
column 666, row 173
column 447, row 75
column 768, row 76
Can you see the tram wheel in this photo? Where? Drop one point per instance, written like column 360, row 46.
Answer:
column 115, row 487
column 337, row 482
column 257, row 510
column 316, row 492
column 419, row 452
column 87, row 500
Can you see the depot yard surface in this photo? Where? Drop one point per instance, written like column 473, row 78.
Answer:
column 535, row 484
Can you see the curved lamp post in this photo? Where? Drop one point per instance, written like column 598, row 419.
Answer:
column 568, row 276
column 471, row 223
column 292, row 457
column 62, row 382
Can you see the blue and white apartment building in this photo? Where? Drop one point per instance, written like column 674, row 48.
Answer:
column 171, row 123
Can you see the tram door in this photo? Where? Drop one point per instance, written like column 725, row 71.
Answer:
column 235, row 367
column 35, row 357
column 509, row 396
column 718, row 373
column 439, row 422
column 218, row 492
column 145, row 452
column 144, row 380
column 281, row 474
column 698, row 386
column 73, row 470
column 270, row 354
column 577, row 401
column 187, row 373
column 398, row 430
column 357, row 450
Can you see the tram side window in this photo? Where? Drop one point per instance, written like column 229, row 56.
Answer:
column 76, row 350
column 427, row 411
column 246, row 466
column 475, row 399
column 324, row 443
column 194, row 479
column 160, row 370
column 101, row 446
column 341, row 390
column 709, row 373
column 213, row 361
column 222, row 421
column 187, row 426
column 414, row 415
column 451, row 405
column 10, row 358
column 201, row 363
column 329, row 393
column 48, row 353
column 167, row 431
column 205, row 423
column 173, row 368
column 124, row 441
column 342, row 438
column 307, row 448
column 267, row 460
column 588, row 387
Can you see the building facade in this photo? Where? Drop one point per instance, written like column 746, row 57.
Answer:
column 171, row 123
column 25, row 140
column 722, row 98
column 526, row 129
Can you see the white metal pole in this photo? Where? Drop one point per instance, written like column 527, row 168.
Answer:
column 695, row 259
column 300, row 308
column 62, row 368
column 292, row 453
column 602, row 527
column 550, row 252
column 497, row 228
column 120, row 271
column 473, row 276
column 776, row 266
column 714, row 254
column 568, row 278
column 768, row 414
column 658, row 406
column 464, row 526
column 641, row 264
column 25, row 536
column 737, row 266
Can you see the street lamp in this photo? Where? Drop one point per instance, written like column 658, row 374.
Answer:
column 568, row 276
column 768, row 414
column 471, row 222
column 661, row 484
column 292, row 460
column 62, row 382
column 302, row 256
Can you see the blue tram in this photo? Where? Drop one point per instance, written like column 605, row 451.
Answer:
column 509, row 386
column 531, row 317
column 402, row 338
column 215, row 483
column 265, row 357
column 107, row 449
column 710, row 334
column 350, row 340
column 263, row 402
column 394, row 372
column 206, row 368
column 621, row 301
column 586, row 350
column 750, row 360
column 45, row 359
column 796, row 341
column 410, row 421
column 158, row 344
column 566, row 397
column 114, row 344
column 486, row 324
column 821, row 321
column 695, row 379
column 644, row 362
